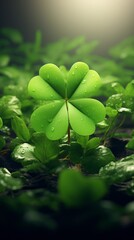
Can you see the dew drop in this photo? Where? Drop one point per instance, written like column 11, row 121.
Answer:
column 84, row 81
column 75, row 67
column 52, row 129
column 73, row 73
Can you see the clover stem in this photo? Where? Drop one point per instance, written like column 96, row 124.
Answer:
column 68, row 132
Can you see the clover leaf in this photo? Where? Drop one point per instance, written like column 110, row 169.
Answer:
column 67, row 101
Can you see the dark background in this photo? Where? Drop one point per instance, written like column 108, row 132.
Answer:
column 108, row 21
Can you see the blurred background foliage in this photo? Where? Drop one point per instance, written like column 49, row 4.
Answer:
column 30, row 189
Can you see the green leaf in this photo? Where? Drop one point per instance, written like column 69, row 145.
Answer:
column 120, row 171
column 54, row 130
column 82, row 140
column 4, row 60
column 87, row 48
column 129, row 90
column 74, row 43
column 49, row 119
column 93, row 143
column 9, row 107
column 76, row 190
column 75, row 153
column 53, row 76
column 118, row 87
column 1, row 123
column 88, row 85
column 12, row 34
column 45, row 149
column 111, row 112
column 76, row 74
column 20, row 128
column 96, row 158
column 54, row 117
column 39, row 89
column 130, row 144
column 10, row 72
column 115, row 101
column 92, row 108
column 129, row 102
column 79, row 122
column 24, row 154
column 8, row 182
column 124, row 51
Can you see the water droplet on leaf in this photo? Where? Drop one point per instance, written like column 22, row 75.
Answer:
column 52, row 129
column 84, row 81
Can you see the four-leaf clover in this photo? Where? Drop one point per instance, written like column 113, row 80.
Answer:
column 67, row 102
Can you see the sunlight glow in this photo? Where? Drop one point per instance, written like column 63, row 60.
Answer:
column 106, row 20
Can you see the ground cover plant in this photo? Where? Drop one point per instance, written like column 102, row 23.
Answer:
column 66, row 138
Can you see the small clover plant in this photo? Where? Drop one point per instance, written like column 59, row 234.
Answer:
column 67, row 101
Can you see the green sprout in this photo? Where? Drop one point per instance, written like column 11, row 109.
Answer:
column 67, row 102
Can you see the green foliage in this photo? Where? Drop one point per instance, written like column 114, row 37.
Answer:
column 96, row 158
column 20, row 128
column 130, row 144
column 10, row 72
column 11, row 35
column 76, row 180
column 76, row 190
column 87, row 143
column 4, row 60
column 8, row 182
column 67, row 51
column 45, row 150
column 119, row 171
column 1, row 122
column 129, row 90
column 67, row 100
column 42, row 153
column 124, row 51
column 24, row 154
column 9, row 106
column 92, row 157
